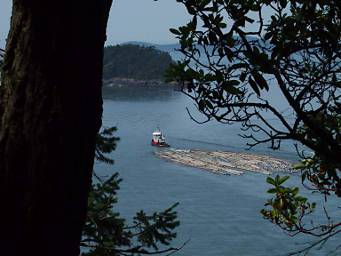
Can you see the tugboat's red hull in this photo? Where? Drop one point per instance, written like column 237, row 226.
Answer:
column 158, row 144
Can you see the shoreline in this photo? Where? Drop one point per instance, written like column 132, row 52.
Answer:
column 119, row 82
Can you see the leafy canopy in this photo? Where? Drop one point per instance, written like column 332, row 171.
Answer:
column 236, row 51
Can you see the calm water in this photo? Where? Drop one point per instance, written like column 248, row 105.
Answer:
column 219, row 214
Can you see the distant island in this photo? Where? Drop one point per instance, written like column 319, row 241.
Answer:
column 133, row 64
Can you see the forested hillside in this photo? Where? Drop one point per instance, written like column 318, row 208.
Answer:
column 134, row 61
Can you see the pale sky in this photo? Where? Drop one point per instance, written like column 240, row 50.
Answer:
column 130, row 20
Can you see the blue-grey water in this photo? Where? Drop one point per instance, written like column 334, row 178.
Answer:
column 219, row 214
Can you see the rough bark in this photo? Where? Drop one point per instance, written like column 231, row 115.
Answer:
column 50, row 109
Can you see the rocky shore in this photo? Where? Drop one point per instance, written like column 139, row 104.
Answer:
column 126, row 82
column 226, row 163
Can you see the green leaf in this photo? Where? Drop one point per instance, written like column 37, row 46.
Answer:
column 299, row 166
column 268, row 35
column 175, row 31
column 201, row 105
column 301, row 199
column 270, row 181
column 229, row 86
column 283, row 3
column 303, row 177
column 254, row 86
column 242, row 76
column 272, row 191
column 283, row 179
column 209, row 104
column 213, row 37
column 237, row 66
column 233, row 82
column 295, row 191
column 260, row 80
column 222, row 25
column 228, row 40
column 234, row 91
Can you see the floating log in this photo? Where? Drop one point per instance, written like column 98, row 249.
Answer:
column 227, row 163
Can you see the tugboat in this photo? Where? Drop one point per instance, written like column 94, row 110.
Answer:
column 158, row 139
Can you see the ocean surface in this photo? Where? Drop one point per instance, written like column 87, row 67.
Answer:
column 219, row 215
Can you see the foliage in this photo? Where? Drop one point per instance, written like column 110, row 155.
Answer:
column 287, row 206
column 105, row 144
column 2, row 53
column 134, row 61
column 236, row 51
column 106, row 233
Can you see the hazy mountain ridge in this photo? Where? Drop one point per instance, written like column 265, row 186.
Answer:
column 169, row 48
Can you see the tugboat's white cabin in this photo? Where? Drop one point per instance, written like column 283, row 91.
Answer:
column 158, row 137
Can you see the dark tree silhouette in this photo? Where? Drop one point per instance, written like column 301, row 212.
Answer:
column 50, row 108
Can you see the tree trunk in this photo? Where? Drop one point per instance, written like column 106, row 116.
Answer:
column 50, row 108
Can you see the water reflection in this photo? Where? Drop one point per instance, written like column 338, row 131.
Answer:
column 138, row 93
column 220, row 214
